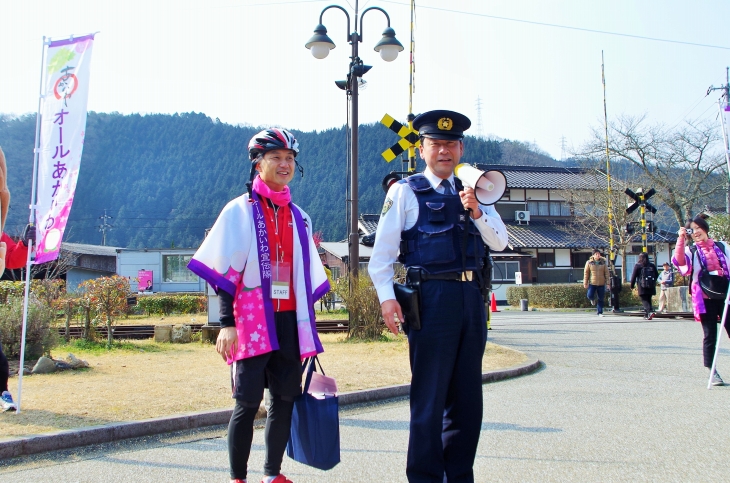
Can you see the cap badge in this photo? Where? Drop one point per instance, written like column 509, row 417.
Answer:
column 445, row 124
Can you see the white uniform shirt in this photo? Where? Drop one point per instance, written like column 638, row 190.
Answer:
column 400, row 212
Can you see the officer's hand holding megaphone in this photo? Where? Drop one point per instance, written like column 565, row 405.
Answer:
column 469, row 200
column 480, row 187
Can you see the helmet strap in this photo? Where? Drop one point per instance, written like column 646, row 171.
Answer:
column 300, row 168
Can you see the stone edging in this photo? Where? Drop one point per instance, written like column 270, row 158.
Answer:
column 106, row 433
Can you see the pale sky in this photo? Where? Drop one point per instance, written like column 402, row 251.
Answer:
column 534, row 64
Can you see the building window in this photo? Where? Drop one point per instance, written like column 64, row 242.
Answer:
column 631, row 260
column 546, row 260
column 505, row 271
column 565, row 209
column 175, row 269
column 580, row 259
column 335, row 272
column 555, row 208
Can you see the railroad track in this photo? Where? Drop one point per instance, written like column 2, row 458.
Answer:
column 148, row 331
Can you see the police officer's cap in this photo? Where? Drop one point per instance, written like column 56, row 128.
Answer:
column 441, row 124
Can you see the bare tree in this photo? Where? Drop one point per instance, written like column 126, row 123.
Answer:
column 591, row 208
column 685, row 166
column 55, row 269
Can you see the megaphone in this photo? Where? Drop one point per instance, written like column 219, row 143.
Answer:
column 489, row 186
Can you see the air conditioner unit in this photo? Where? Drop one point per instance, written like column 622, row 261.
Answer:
column 522, row 216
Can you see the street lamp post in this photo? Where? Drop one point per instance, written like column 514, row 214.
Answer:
column 388, row 47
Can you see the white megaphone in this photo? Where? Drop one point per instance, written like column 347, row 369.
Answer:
column 489, row 186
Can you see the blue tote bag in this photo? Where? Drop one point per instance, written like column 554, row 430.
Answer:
column 315, row 426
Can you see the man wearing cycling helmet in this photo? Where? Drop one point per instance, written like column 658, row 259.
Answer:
column 261, row 260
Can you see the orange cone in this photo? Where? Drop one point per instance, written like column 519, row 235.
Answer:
column 493, row 308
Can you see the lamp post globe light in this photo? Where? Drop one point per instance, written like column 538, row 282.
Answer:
column 388, row 47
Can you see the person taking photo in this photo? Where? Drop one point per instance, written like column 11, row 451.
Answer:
column 705, row 261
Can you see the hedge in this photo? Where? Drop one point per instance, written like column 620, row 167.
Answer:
column 565, row 295
column 11, row 289
column 170, row 303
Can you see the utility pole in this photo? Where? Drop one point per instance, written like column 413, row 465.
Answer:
column 726, row 107
column 104, row 227
column 562, row 148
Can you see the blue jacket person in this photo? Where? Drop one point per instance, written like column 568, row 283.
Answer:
column 424, row 218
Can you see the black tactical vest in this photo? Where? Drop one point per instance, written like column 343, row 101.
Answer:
column 434, row 243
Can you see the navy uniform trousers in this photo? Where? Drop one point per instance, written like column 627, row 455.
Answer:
column 446, row 385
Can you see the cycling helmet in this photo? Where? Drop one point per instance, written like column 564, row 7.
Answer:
column 270, row 139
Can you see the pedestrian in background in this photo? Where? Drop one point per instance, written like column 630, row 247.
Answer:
column 595, row 278
column 644, row 277
column 708, row 256
column 666, row 280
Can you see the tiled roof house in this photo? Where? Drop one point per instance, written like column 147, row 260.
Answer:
column 542, row 246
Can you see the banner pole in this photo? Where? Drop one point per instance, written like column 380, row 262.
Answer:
column 31, row 220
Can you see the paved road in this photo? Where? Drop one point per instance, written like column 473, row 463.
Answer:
column 619, row 400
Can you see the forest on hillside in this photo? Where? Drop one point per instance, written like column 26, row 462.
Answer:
column 164, row 178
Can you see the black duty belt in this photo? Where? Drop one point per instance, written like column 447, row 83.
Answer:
column 467, row 276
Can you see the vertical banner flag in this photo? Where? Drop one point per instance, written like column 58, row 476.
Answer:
column 63, row 124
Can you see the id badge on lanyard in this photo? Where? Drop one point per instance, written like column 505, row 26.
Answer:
column 280, row 280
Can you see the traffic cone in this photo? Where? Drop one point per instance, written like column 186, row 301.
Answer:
column 493, row 308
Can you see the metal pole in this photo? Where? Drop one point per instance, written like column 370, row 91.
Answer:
column 31, row 219
column 354, row 239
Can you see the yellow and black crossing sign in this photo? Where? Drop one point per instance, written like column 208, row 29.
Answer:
column 409, row 138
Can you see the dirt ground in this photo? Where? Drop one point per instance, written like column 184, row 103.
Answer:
column 149, row 380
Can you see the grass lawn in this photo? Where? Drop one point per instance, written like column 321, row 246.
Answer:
column 143, row 379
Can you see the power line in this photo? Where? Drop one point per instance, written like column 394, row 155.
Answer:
column 480, row 132
column 568, row 27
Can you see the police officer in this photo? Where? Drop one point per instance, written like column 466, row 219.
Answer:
column 424, row 217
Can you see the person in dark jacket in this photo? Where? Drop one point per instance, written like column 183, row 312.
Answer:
column 645, row 293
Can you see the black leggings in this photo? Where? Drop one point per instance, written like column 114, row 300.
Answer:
column 710, row 341
column 4, row 371
column 276, row 435
column 713, row 312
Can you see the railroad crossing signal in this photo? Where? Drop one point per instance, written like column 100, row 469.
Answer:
column 640, row 200
column 409, row 138
column 632, row 226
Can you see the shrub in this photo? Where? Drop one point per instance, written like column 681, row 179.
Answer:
column 11, row 289
column 564, row 295
column 40, row 336
column 108, row 297
column 172, row 303
column 368, row 322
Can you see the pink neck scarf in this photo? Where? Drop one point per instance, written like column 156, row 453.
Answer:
column 279, row 198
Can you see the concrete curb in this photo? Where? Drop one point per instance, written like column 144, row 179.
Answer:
column 106, row 433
